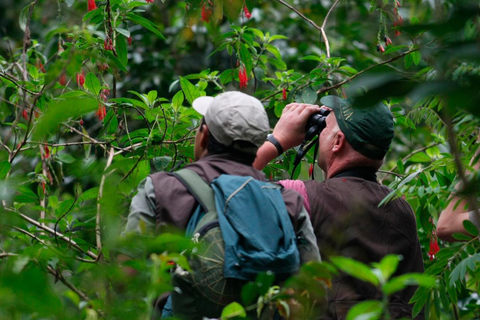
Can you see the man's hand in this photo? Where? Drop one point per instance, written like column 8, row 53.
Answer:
column 291, row 128
column 289, row 132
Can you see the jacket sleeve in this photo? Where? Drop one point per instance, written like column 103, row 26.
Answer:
column 306, row 240
column 141, row 218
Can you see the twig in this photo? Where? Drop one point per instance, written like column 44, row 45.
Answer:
column 53, row 232
column 7, row 254
column 98, row 233
column 341, row 83
column 9, row 78
column 300, row 14
column 322, row 29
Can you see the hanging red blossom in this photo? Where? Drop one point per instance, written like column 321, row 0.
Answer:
column 248, row 15
column 63, row 79
column 81, row 79
column 310, row 170
column 380, row 48
column 46, row 151
column 149, row 1
column 284, row 93
column 129, row 39
column 103, row 66
column 101, row 112
column 242, row 76
column 43, row 186
column 81, row 122
column 91, row 5
column 39, row 66
column 206, row 13
column 104, row 93
column 25, row 114
column 388, row 41
column 108, row 43
column 398, row 4
column 434, row 248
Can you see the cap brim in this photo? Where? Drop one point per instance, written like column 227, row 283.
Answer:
column 333, row 102
column 202, row 104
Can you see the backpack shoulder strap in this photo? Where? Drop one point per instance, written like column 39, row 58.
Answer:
column 201, row 191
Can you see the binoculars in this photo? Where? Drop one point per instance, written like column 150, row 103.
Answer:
column 316, row 123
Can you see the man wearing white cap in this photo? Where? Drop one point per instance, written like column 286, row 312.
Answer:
column 234, row 126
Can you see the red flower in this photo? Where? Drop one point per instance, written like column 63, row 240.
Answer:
column 25, row 114
column 63, row 79
column 129, row 39
column 81, row 79
column 39, row 66
column 108, row 43
column 149, row 1
column 380, row 48
column 398, row 4
column 434, row 248
column 46, row 152
column 248, row 15
column 206, row 13
column 81, row 122
column 91, row 5
column 103, row 66
column 399, row 20
column 43, row 186
column 310, row 170
column 387, row 41
column 104, row 93
column 101, row 112
column 284, row 93
column 242, row 76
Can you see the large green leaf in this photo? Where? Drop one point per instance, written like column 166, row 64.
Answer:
column 191, row 92
column 144, row 23
column 61, row 110
column 355, row 269
column 365, row 310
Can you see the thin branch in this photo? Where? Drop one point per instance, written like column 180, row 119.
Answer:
column 53, row 232
column 9, row 78
column 341, row 83
column 324, row 35
column 7, row 254
column 300, row 14
column 98, row 233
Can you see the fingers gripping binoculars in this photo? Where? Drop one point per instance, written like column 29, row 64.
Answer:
column 315, row 124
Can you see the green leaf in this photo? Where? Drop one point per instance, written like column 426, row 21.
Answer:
column 391, row 49
column 177, row 100
column 93, row 84
column 58, row 111
column 416, row 57
column 5, row 167
column 144, row 23
column 309, row 95
column 274, row 51
column 420, row 157
column 112, row 122
column 349, row 70
column 191, row 92
column 122, row 50
column 461, row 237
column 66, row 158
column 314, row 58
column 23, row 18
column 355, row 269
column 233, row 310
column 410, row 279
column 160, row 163
column 126, row 33
column 470, row 227
column 419, row 298
column 365, row 310
column 408, row 61
column 388, row 265
column 246, row 58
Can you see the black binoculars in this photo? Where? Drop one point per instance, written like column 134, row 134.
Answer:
column 316, row 123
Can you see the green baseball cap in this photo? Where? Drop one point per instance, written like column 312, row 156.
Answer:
column 369, row 130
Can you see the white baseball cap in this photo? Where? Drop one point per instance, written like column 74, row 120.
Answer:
column 232, row 116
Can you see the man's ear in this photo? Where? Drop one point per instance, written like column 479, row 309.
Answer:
column 339, row 142
column 205, row 137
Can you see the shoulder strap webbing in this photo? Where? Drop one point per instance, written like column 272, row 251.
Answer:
column 201, row 191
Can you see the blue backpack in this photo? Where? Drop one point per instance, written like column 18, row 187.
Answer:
column 242, row 228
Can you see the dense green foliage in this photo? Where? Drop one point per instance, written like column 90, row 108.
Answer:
column 93, row 101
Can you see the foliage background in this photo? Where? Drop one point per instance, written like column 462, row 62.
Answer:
column 72, row 154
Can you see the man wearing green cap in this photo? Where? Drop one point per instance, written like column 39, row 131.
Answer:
column 344, row 209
